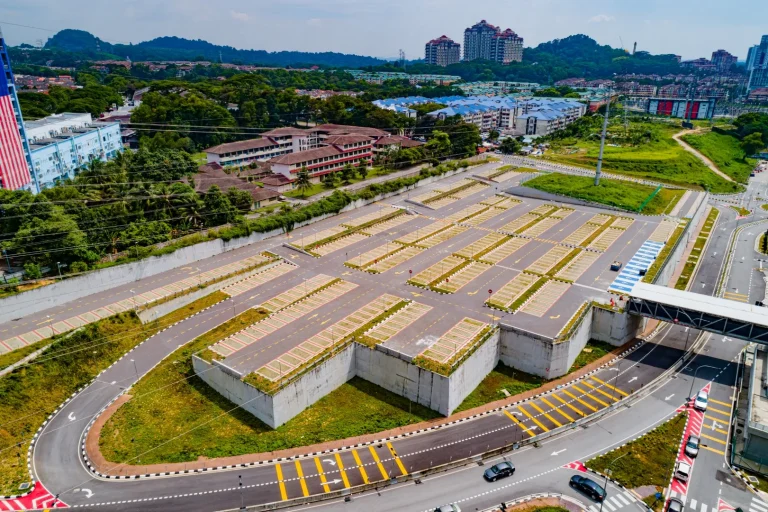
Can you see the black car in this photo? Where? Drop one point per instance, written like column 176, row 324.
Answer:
column 500, row 470
column 675, row 505
column 588, row 487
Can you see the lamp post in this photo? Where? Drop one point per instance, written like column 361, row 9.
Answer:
column 7, row 260
column 240, row 485
column 607, row 471
column 135, row 369
column 58, row 264
column 690, row 393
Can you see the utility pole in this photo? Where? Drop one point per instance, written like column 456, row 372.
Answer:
column 602, row 140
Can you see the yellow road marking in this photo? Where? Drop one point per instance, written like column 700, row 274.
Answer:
column 611, row 397
column 397, row 459
column 713, row 418
column 304, row 489
column 719, row 402
column 585, row 393
column 550, row 418
column 622, row 393
column 718, row 411
column 320, row 472
column 705, row 436
column 713, row 450
column 283, row 494
column 582, row 402
column 561, row 413
column 721, row 431
column 518, row 423
column 541, row 426
column 360, row 466
column 384, row 474
column 341, row 470
column 568, row 405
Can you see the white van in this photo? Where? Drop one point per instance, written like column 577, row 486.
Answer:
column 682, row 471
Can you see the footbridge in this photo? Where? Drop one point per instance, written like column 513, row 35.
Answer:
column 721, row 316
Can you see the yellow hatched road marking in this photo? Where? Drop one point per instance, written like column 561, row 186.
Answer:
column 304, row 489
column 561, row 413
column 582, row 402
column 721, row 431
column 718, row 411
column 397, row 459
column 713, row 450
column 568, row 405
column 611, row 397
column 622, row 393
column 360, row 466
column 712, row 418
column 550, row 418
column 341, row 470
column 537, row 422
column 384, row 474
column 705, row 436
column 719, row 402
column 283, row 494
column 518, row 423
column 320, row 472
column 585, row 393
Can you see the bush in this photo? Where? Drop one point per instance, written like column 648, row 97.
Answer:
column 78, row 266
column 32, row 271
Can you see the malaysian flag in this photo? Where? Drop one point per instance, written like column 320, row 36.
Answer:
column 14, row 172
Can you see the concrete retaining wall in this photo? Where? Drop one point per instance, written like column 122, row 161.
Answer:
column 615, row 327
column 472, row 371
column 530, row 352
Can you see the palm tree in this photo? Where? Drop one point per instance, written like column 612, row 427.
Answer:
column 302, row 181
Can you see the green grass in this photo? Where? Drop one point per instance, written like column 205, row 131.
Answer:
column 743, row 212
column 621, row 194
column 502, row 377
column 653, row 503
column 32, row 392
column 764, row 206
column 655, row 156
column 696, row 252
column 593, row 351
column 762, row 483
column 17, row 355
column 725, row 152
column 315, row 189
column 661, row 259
column 355, row 408
column 652, row 457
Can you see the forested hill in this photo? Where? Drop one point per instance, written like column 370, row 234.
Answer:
column 176, row 48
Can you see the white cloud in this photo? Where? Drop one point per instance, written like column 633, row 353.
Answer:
column 239, row 16
column 601, row 18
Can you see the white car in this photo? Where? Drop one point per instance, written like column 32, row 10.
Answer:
column 682, row 471
column 701, row 400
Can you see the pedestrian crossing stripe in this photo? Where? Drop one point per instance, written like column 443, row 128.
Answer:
column 641, row 260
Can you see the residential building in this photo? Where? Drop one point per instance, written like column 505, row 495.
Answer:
column 485, row 41
column 212, row 174
column 63, row 144
column 379, row 77
column 722, row 60
column 338, row 151
column 442, row 51
column 15, row 159
column 497, row 88
column 30, row 83
column 758, row 78
column 701, row 64
column 752, row 57
column 759, row 95
column 636, row 89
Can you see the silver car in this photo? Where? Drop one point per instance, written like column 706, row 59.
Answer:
column 692, row 446
column 448, row 508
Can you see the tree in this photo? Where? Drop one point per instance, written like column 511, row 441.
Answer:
column 328, row 181
column 347, row 173
column 494, row 135
column 32, row 271
column 752, row 143
column 240, row 199
column 509, row 146
column 302, row 181
column 218, row 209
column 362, row 170
column 439, row 145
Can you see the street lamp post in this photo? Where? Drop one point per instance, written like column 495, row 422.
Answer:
column 135, row 369
column 607, row 470
column 690, row 393
column 7, row 260
column 58, row 264
column 240, row 485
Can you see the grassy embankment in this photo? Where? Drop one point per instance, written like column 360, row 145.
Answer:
column 621, row 194
column 30, row 393
column 696, row 252
column 725, row 152
column 171, row 400
column 654, row 155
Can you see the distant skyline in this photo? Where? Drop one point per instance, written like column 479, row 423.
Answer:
column 691, row 28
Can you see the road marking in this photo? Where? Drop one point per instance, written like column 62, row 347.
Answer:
column 320, row 472
column 537, row 422
column 561, row 413
column 360, row 466
column 341, row 470
column 609, row 506
column 718, row 411
column 622, row 499
column 705, row 436
column 303, row 483
column 519, row 424
column 384, row 474
column 611, row 397
column 622, row 393
column 397, row 459
column 720, row 430
column 713, row 450
column 568, row 404
column 713, row 419
column 692, row 504
column 283, row 494
column 550, row 418
column 585, row 393
column 582, row 402
column 719, row 402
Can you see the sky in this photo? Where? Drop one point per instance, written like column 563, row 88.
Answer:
column 691, row 28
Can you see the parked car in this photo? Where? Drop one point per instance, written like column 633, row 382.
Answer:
column 701, row 400
column 588, row 487
column 500, row 470
column 682, row 471
column 448, row 508
column 692, row 446
column 616, row 266
column 674, row 505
